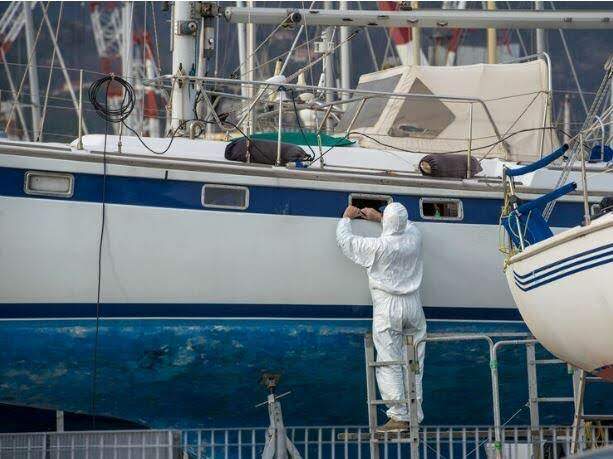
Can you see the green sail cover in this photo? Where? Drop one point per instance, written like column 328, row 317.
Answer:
column 297, row 138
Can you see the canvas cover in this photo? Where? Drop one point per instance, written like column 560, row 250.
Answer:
column 516, row 95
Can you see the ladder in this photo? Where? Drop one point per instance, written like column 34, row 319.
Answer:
column 410, row 366
column 580, row 380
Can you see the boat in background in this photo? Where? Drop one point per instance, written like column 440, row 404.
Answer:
column 562, row 283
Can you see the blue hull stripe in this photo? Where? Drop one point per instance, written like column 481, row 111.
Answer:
column 583, row 267
column 563, row 260
column 178, row 194
column 206, row 311
column 583, row 261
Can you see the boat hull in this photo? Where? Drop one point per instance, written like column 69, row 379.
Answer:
column 195, row 301
column 562, row 287
column 205, row 373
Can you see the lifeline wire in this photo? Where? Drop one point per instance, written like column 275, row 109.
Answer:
column 493, row 144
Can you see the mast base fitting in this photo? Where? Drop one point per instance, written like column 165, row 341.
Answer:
column 186, row 27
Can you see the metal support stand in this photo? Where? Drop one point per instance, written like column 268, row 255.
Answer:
column 59, row 421
column 579, row 396
column 410, row 366
column 278, row 445
column 533, row 398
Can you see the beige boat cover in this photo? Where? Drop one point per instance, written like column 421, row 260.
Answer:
column 516, row 95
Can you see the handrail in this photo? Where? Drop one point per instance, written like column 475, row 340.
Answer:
column 278, row 84
column 547, row 198
column 537, row 164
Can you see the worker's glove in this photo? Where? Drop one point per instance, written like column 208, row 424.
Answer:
column 371, row 214
column 351, row 212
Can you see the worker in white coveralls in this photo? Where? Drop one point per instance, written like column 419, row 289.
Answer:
column 394, row 265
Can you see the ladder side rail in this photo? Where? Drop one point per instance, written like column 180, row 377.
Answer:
column 371, row 394
column 410, row 368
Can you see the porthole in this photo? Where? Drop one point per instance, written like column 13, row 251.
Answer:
column 53, row 184
column 441, row 209
column 225, row 197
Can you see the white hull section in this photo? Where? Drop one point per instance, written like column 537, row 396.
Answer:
column 562, row 287
column 152, row 254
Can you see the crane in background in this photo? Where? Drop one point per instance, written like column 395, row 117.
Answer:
column 129, row 54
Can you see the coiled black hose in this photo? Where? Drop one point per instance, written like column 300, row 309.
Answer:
column 98, row 96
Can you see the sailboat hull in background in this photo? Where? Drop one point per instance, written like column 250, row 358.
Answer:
column 562, row 287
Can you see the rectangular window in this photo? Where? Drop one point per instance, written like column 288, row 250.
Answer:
column 225, row 196
column 441, row 209
column 375, row 201
column 39, row 183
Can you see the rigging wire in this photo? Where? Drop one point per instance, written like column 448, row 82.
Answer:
column 157, row 44
column 253, row 54
column 30, row 57
column 44, row 114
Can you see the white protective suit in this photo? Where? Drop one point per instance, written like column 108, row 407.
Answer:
column 394, row 265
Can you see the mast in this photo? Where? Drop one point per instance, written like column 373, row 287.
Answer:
column 492, row 58
column 240, row 29
column 126, row 42
column 416, row 33
column 251, row 68
column 540, row 33
column 567, row 119
column 134, row 120
column 184, row 29
column 32, row 69
column 206, row 48
column 345, row 54
column 328, row 40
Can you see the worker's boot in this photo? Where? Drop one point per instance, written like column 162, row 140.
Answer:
column 394, row 426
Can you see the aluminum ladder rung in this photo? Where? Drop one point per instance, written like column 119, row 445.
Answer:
column 555, row 399
column 388, row 402
column 386, row 363
column 594, row 379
